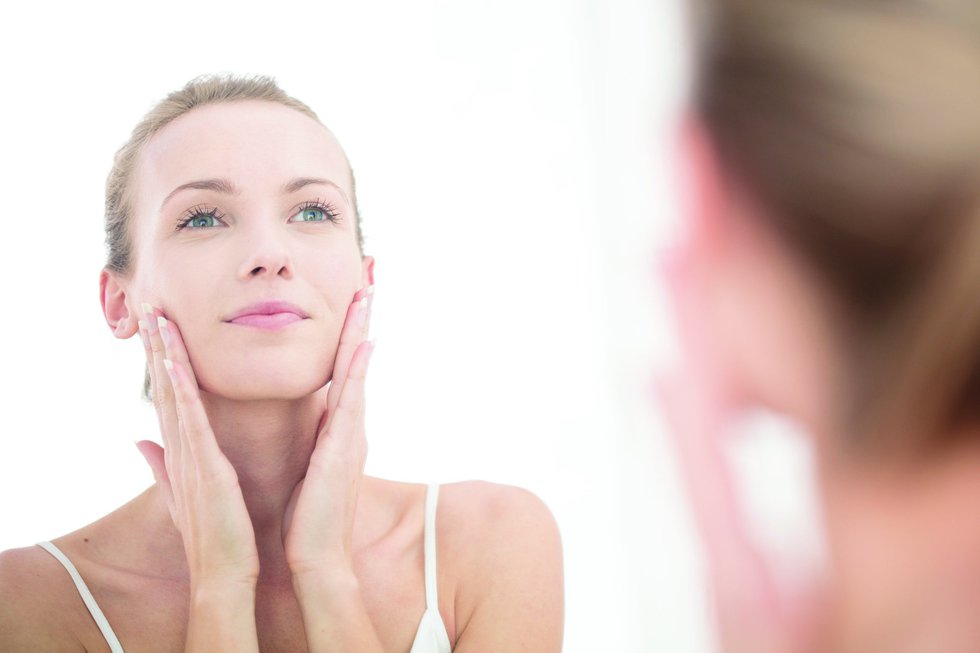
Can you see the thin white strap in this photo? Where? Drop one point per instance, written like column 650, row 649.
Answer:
column 431, row 584
column 93, row 607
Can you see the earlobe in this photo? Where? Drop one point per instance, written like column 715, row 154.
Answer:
column 367, row 271
column 117, row 314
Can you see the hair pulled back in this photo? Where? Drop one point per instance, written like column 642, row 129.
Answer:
column 855, row 125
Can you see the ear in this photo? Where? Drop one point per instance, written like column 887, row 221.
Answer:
column 367, row 271
column 112, row 293
column 702, row 188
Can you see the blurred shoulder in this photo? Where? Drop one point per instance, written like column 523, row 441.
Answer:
column 36, row 602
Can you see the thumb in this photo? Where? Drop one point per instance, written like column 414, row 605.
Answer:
column 153, row 454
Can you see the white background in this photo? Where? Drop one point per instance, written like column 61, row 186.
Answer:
column 513, row 173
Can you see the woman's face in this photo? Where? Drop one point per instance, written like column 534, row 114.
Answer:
column 236, row 204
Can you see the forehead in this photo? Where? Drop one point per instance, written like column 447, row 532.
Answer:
column 255, row 144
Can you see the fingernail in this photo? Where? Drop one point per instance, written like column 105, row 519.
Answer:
column 169, row 366
column 164, row 332
column 151, row 324
column 362, row 311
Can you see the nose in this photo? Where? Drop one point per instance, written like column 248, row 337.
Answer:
column 267, row 255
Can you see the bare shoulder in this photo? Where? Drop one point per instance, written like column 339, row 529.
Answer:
column 40, row 607
column 504, row 549
column 35, row 608
column 480, row 512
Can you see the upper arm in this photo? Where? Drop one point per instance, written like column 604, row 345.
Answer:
column 29, row 619
column 510, row 593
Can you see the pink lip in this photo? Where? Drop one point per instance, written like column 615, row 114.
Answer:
column 268, row 315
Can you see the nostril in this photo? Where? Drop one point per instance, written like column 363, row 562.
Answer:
column 261, row 270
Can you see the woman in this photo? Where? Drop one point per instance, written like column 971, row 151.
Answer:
column 235, row 253
column 831, row 273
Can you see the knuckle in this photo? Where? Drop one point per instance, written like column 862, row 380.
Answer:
column 162, row 395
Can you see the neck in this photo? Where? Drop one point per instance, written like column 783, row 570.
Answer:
column 904, row 541
column 269, row 443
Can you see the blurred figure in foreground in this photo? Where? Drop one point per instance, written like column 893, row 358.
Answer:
column 830, row 271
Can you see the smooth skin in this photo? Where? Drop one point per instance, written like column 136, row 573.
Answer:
column 261, row 531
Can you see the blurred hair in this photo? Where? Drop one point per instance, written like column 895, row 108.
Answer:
column 855, row 125
column 200, row 91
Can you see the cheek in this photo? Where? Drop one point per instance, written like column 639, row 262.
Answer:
column 191, row 296
column 335, row 279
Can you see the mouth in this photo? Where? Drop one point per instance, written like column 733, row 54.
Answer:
column 268, row 315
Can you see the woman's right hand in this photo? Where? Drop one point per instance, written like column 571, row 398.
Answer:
column 754, row 613
column 198, row 482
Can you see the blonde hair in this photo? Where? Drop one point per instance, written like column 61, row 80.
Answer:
column 200, row 91
column 855, row 125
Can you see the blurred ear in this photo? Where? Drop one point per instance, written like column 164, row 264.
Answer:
column 702, row 191
column 112, row 293
column 367, row 271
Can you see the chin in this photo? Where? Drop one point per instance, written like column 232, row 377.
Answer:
column 256, row 378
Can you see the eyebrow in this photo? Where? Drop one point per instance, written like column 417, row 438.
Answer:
column 300, row 182
column 228, row 188
column 217, row 185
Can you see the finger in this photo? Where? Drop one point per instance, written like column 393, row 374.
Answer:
column 347, row 421
column 196, row 433
column 150, row 368
column 173, row 345
column 353, row 334
column 194, row 429
column 739, row 570
column 693, row 430
column 195, row 426
column 161, row 392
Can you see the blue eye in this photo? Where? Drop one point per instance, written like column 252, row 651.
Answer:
column 311, row 214
column 316, row 211
column 199, row 218
column 201, row 221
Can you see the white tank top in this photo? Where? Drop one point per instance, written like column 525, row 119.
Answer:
column 431, row 636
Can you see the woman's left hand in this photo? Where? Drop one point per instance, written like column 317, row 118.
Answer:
column 319, row 518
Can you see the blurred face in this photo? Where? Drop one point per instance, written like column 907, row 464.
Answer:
column 753, row 308
column 244, row 209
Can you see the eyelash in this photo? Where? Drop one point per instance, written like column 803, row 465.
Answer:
column 202, row 211
column 328, row 209
column 199, row 211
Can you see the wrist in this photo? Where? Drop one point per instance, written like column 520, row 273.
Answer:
column 222, row 589
column 325, row 581
column 334, row 614
column 323, row 568
column 222, row 618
